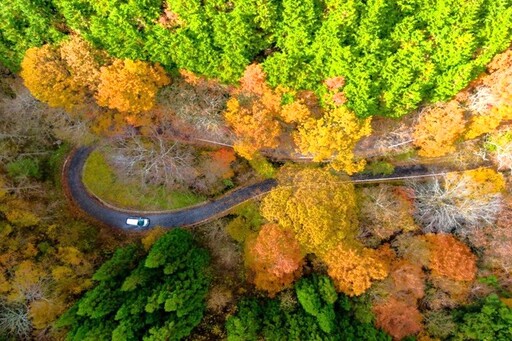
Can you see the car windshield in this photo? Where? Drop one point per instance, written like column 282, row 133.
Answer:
column 140, row 222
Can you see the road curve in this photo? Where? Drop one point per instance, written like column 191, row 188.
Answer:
column 72, row 176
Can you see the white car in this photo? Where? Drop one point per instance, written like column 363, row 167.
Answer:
column 137, row 221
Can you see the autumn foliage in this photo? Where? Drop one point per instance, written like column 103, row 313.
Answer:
column 48, row 78
column 316, row 205
column 275, row 258
column 384, row 210
column 334, row 136
column 397, row 318
column 130, row 86
column 451, row 258
column 257, row 115
column 354, row 269
column 491, row 101
column 408, row 281
column 438, row 128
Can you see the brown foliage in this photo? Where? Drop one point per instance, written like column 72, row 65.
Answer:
column 218, row 298
column 83, row 61
column 384, row 211
column 450, row 258
column 408, row 281
column 275, row 258
column 495, row 240
column 414, row 249
column 398, row 318
column 447, row 293
column 196, row 103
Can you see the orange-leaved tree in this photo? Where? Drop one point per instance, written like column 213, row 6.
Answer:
column 450, row 258
column 353, row 269
column 255, row 126
column 258, row 115
column 438, row 128
column 274, row 257
column 317, row 205
column 130, row 86
column 333, row 137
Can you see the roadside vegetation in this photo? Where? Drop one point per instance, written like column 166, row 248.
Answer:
column 186, row 100
column 100, row 180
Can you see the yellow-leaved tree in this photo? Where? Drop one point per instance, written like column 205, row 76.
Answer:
column 438, row 128
column 354, row 268
column 317, row 205
column 130, row 86
column 49, row 79
column 64, row 75
column 333, row 137
column 83, row 61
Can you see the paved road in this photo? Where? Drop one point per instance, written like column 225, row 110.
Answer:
column 117, row 218
column 200, row 213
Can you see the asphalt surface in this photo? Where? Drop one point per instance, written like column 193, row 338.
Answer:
column 178, row 218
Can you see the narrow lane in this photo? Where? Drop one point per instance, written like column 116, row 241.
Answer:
column 72, row 176
column 178, row 218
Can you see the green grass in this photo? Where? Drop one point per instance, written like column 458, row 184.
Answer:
column 100, row 179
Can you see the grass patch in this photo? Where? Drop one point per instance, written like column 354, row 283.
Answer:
column 100, row 179
column 55, row 162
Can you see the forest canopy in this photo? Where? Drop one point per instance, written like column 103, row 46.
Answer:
column 394, row 55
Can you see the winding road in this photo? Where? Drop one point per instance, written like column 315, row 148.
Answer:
column 72, row 175
column 116, row 217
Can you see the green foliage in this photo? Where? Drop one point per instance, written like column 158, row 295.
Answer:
column 262, row 166
column 247, row 221
column 489, row 320
column 215, row 38
column 321, row 315
column 24, row 168
column 100, row 179
column 317, row 296
column 55, row 161
column 393, row 54
column 157, row 297
column 381, row 167
column 25, row 24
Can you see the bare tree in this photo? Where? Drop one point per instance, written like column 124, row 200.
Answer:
column 154, row 160
column 68, row 128
column 453, row 209
column 200, row 104
column 22, row 126
column 15, row 320
column 482, row 100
